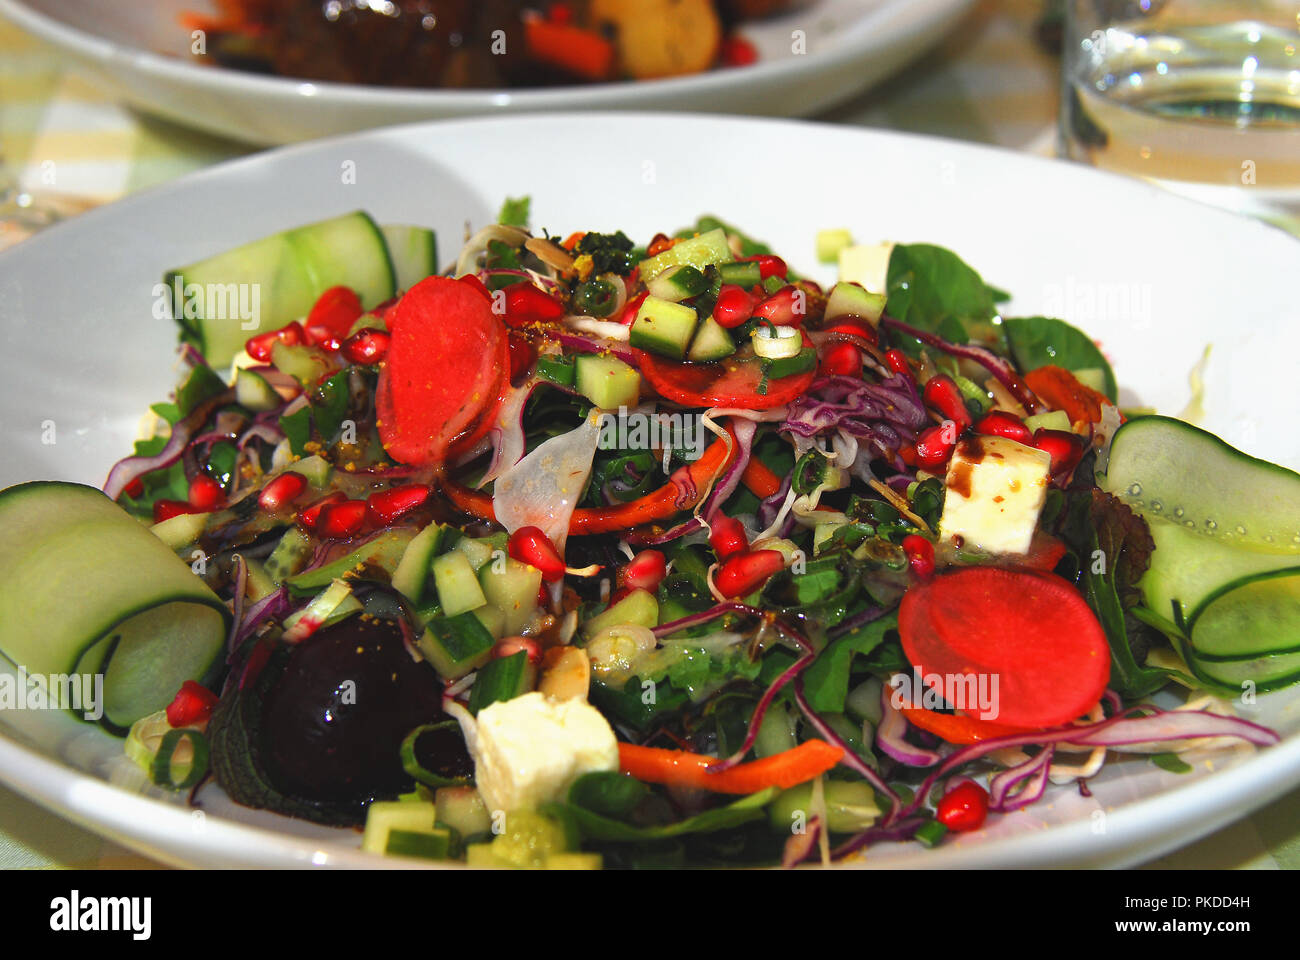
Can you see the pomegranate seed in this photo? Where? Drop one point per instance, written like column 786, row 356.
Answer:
column 633, row 306
column 259, row 347
column 998, row 423
column 366, row 346
column 737, row 51
column 734, row 306
column 282, row 491
column 166, row 509
column 332, row 316
column 341, row 520
column 193, row 705
column 544, row 596
column 1066, row 450
column 531, row 546
column 768, row 265
column 785, row 308
column 309, row 516
column 943, row 394
column 134, row 489
column 645, row 571
column 934, row 446
column 746, row 572
column 727, row 537
column 559, row 13
column 509, row 646
column 920, row 555
column 897, row 361
column 478, row 285
column 964, row 807
column 387, row 505
column 843, row 360
column 522, row 355
column 526, row 304
column 205, row 493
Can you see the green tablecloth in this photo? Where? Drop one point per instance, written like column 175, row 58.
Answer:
column 989, row 81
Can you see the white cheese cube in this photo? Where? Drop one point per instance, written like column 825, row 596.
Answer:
column 529, row 750
column 867, row 264
column 996, row 489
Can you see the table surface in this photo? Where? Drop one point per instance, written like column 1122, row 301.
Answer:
column 989, row 81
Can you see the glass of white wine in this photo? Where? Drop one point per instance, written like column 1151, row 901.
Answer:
column 1200, row 96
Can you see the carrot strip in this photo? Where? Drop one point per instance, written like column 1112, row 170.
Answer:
column 761, row 481
column 578, row 51
column 956, row 728
column 682, row 768
column 1061, row 390
column 658, row 505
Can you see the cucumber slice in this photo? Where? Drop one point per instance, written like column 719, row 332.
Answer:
column 1266, row 673
column 831, row 242
column 556, row 368
column 414, row 252
column 456, row 645
column 181, row 530
column 639, row 607
column 801, row 362
column 412, row 573
column 289, row 556
column 84, row 587
column 607, row 382
column 711, row 342
column 663, row 327
column 1166, row 468
column 383, row 817
column 512, row 588
column 698, row 252
column 286, row 273
column 501, row 679
column 462, row 809
column 1255, row 617
column 678, row 283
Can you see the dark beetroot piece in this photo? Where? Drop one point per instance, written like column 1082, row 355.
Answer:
column 334, row 720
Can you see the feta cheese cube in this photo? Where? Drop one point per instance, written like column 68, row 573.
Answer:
column 996, row 489
column 867, row 264
column 529, row 750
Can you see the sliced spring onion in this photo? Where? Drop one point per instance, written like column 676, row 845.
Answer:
column 776, row 343
column 413, row 767
column 163, row 773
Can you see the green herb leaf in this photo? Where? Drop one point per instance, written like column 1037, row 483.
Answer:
column 595, row 826
column 1171, row 762
column 826, row 681
column 515, row 212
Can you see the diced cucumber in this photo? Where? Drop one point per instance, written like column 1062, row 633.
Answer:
column 1092, row 377
column 573, row 861
column 456, row 645
column 382, row 817
column 772, row 284
column 306, row 364
column 462, row 809
column 1051, row 420
column 483, row 856
column 412, row 573
column 458, row 587
column 711, row 342
column 608, row 382
column 433, row 845
column 557, row 368
column 831, row 242
column 529, row 839
column 501, row 679
column 331, row 605
column 367, row 321
column 678, row 283
column 478, row 551
column 746, row 273
column 698, row 252
column 853, row 300
column 512, row 588
column 252, row 391
column 282, row 275
column 182, row 530
column 663, row 327
column 260, row 583
column 493, row 619
column 413, row 251
column 289, row 556
column 640, row 607
column 381, row 554
column 316, row 469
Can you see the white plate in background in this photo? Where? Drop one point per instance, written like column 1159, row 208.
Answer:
column 141, row 50
column 1154, row 277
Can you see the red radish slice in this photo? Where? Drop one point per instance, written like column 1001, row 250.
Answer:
column 733, row 382
column 445, row 366
column 1032, row 629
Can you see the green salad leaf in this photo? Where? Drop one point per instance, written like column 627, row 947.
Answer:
column 1038, row 341
column 932, row 288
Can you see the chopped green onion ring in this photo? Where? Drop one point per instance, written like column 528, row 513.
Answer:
column 412, row 766
column 161, row 772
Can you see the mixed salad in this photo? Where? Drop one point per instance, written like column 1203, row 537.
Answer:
column 580, row 553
